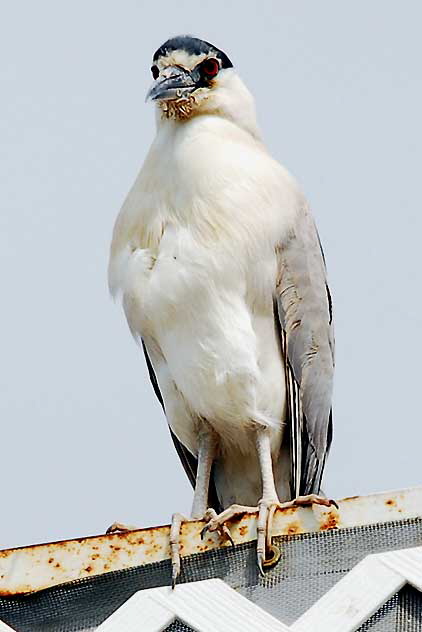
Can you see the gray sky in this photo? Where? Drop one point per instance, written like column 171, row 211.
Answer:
column 339, row 96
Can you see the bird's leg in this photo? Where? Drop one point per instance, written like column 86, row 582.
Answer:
column 206, row 454
column 268, row 503
column 200, row 511
column 269, row 500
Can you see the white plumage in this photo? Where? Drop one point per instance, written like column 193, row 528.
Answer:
column 196, row 258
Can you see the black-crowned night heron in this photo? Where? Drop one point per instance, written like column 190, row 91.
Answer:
column 223, row 281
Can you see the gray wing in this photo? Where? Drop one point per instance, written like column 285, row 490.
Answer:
column 189, row 462
column 303, row 303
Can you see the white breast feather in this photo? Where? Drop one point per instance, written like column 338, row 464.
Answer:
column 193, row 255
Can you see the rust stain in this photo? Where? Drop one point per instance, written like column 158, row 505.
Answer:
column 88, row 569
column 243, row 530
column 390, row 502
column 20, row 590
column 287, row 511
column 330, row 522
column 293, row 528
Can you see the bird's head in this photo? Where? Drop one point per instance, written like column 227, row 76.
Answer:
column 191, row 77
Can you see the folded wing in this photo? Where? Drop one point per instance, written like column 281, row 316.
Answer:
column 303, row 306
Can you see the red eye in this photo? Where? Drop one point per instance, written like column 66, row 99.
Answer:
column 155, row 71
column 210, row 67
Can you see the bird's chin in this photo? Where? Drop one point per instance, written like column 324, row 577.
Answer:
column 181, row 108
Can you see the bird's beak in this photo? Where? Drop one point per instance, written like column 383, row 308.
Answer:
column 174, row 83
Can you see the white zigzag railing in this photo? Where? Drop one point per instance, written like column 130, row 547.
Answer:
column 356, row 597
column 211, row 605
column 206, row 606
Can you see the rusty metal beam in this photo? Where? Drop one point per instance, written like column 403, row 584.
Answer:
column 34, row 568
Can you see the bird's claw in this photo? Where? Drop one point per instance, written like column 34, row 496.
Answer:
column 223, row 531
column 214, row 524
column 175, row 572
column 260, row 563
column 267, row 553
column 266, row 510
column 118, row 527
column 264, row 545
column 176, row 524
column 311, row 499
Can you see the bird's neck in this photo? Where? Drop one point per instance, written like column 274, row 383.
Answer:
column 231, row 103
column 208, row 129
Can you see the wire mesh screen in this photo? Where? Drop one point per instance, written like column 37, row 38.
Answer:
column 384, row 619
column 402, row 612
column 310, row 565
